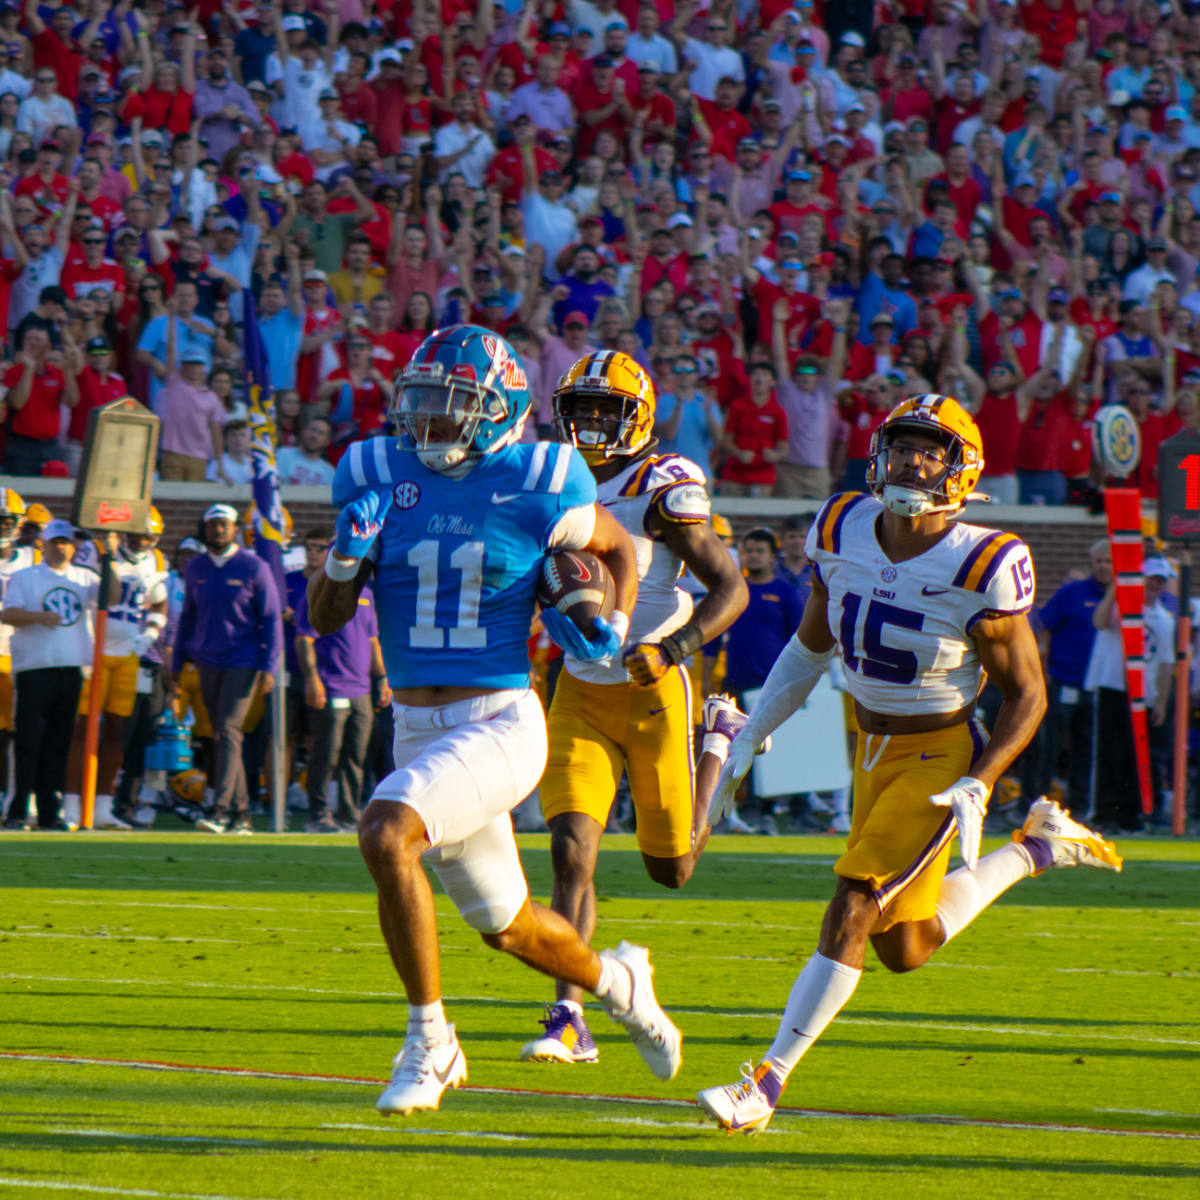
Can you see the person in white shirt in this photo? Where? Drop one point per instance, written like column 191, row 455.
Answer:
column 595, row 18
column 236, row 465
column 327, row 135
column 51, row 607
column 711, row 59
column 461, row 146
column 44, row 110
column 1141, row 283
column 305, row 465
column 298, row 74
column 648, row 45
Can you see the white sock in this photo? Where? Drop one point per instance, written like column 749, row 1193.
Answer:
column 841, row 802
column 716, row 744
column 72, row 809
column 573, row 1005
column 820, row 992
column 616, row 984
column 428, row 1022
column 965, row 894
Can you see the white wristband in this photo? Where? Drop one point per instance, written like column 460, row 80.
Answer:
column 156, row 621
column 620, row 624
column 339, row 571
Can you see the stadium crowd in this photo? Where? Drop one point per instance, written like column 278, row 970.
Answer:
column 791, row 215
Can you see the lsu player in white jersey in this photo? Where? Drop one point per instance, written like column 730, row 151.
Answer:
column 136, row 618
column 12, row 558
column 920, row 608
column 631, row 713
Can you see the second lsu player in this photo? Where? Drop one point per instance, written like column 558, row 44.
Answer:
column 919, row 608
column 632, row 713
column 136, row 619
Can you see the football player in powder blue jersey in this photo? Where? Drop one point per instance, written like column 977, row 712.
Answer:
column 453, row 520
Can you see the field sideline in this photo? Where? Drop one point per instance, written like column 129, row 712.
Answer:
column 192, row 1018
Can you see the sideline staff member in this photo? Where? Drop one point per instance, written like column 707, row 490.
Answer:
column 51, row 607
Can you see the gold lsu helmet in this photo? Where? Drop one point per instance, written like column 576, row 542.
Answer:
column 603, row 432
column 940, row 417
column 11, row 504
column 154, row 523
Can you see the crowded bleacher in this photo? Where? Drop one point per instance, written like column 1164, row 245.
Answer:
column 792, row 216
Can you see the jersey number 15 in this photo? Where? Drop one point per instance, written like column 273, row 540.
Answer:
column 868, row 655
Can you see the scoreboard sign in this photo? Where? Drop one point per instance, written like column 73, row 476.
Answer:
column 1179, row 488
column 116, row 475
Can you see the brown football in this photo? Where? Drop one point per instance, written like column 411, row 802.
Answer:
column 578, row 585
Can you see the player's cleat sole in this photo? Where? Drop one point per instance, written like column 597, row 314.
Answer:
column 741, row 1107
column 208, row 825
column 567, row 1039
column 421, row 1073
column 1070, row 844
column 655, row 1035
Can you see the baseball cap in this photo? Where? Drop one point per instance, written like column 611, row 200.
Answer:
column 601, row 61
column 1156, row 243
column 1024, row 179
column 853, row 39
column 316, row 275
column 327, row 95
column 190, row 543
column 798, row 175
column 225, row 223
column 1110, row 197
column 647, row 68
column 881, row 318
column 1058, row 295
column 791, row 264
column 59, row 529
column 560, row 29
column 773, row 104
column 679, row 220
column 293, row 23
column 98, row 345
column 576, row 318
column 220, row 512
column 1175, row 113
column 1010, row 293
column 1154, row 565
column 194, row 354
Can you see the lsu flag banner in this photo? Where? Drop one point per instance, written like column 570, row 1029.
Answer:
column 267, row 513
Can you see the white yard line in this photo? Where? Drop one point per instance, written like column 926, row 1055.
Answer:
column 95, row 1189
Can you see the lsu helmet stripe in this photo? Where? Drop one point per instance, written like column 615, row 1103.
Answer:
column 968, row 563
column 886, row 894
column 986, row 563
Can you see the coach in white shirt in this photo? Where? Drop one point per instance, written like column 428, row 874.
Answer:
column 51, row 607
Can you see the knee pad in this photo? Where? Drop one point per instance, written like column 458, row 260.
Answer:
column 494, row 915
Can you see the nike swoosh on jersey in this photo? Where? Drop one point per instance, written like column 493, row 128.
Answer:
column 497, row 498
column 925, row 757
column 655, row 711
column 926, row 590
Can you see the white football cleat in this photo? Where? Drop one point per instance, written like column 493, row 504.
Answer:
column 741, row 1107
column 654, row 1034
column 421, row 1072
column 1070, row 843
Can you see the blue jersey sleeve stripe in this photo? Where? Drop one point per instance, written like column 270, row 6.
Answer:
column 537, row 460
column 354, row 457
column 561, row 463
column 382, row 471
column 961, row 578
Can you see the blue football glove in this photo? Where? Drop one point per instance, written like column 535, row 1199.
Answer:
column 604, row 642
column 359, row 523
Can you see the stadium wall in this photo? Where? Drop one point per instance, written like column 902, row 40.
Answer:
column 1058, row 537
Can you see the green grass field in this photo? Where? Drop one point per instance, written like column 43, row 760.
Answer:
column 1052, row 1050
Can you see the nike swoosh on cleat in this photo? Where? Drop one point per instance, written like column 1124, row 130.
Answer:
column 926, row 590
column 497, row 498
column 926, row 757
column 443, row 1076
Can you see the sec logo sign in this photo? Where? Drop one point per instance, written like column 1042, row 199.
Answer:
column 64, row 602
column 406, row 494
column 1116, row 440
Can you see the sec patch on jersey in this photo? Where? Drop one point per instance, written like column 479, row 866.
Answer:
column 577, row 584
